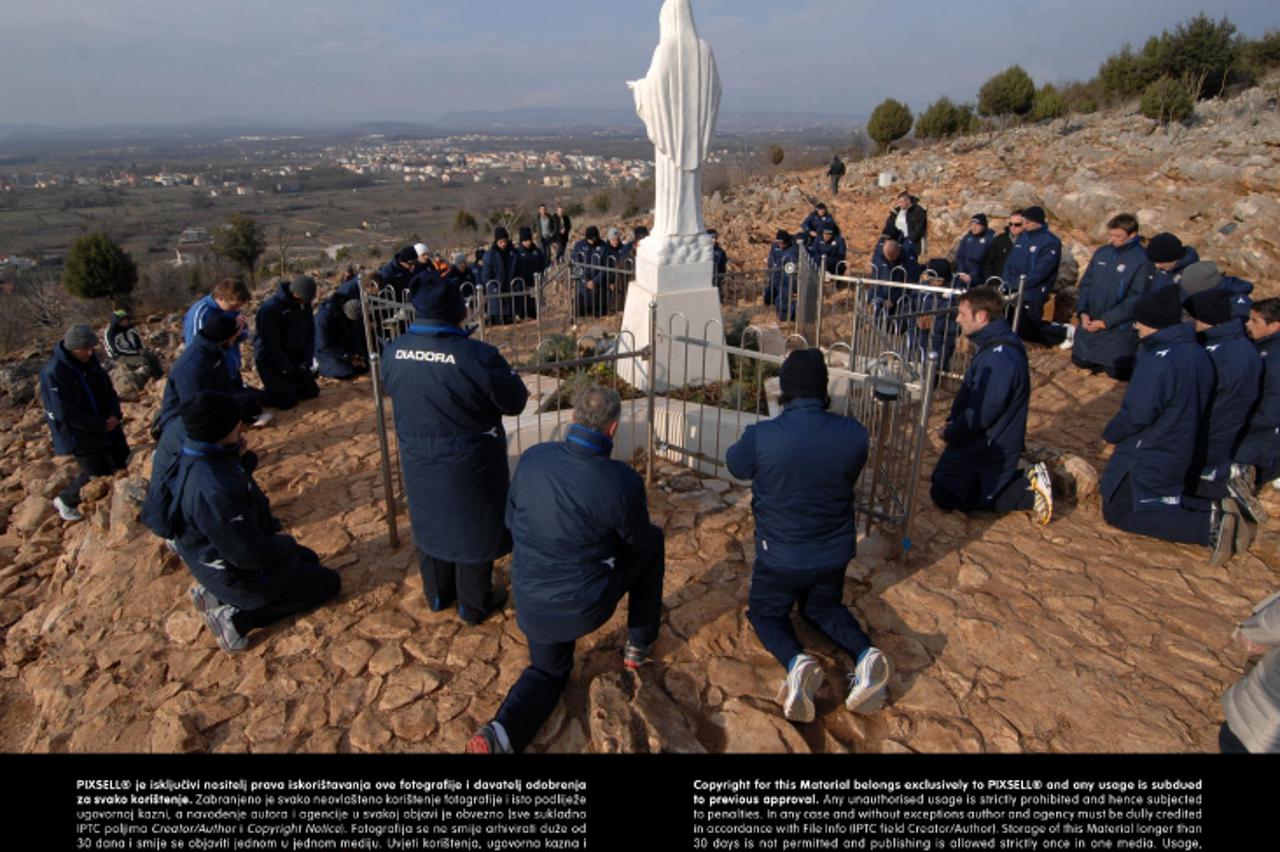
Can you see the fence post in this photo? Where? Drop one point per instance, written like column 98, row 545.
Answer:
column 537, row 306
column 922, row 430
column 653, row 390
column 375, row 373
column 1017, row 311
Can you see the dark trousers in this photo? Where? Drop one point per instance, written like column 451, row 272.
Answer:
column 819, row 593
column 1014, row 497
column 1033, row 328
column 97, row 464
column 534, row 695
column 281, row 391
column 314, row 585
column 1186, row 524
column 467, row 583
column 835, row 184
column 1121, row 372
column 1228, row 742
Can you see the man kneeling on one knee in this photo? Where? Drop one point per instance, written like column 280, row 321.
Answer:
column 582, row 539
column 803, row 466
column 248, row 574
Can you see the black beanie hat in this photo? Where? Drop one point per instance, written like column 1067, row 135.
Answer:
column 804, row 374
column 526, row 233
column 1165, row 248
column 979, row 219
column 593, row 233
column 500, row 233
column 210, row 416
column 782, row 236
column 1035, row 214
column 408, row 254
column 218, row 328
column 1212, row 307
column 641, row 232
column 1160, row 309
column 439, row 300
column 940, row 267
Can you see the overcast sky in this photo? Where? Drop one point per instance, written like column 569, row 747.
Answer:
column 93, row 62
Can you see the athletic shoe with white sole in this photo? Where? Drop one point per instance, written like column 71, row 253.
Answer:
column 868, row 682
column 1250, row 505
column 219, row 621
column 67, row 513
column 202, row 599
column 1042, row 485
column 802, row 683
column 1222, row 532
column 1071, row 338
column 263, row 419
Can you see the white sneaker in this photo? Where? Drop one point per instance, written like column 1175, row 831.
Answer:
column 67, row 513
column 263, row 419
column 1071, row 338
column 798, row 689
column 218, row 620
column 868, row 681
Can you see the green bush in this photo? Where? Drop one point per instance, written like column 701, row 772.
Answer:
column 1081, row 97
column 602, row 201
column 1264, row 53
column 1200, row 51
column 574, row 209
column 556, row 348
column 1126, row 74
column 776, row 154
column 1048, row 103
column 942, row 120
column 97, row 268
column 1167, row 100
column 464, row 221
column 241, row 241
column 890, row 121
column 1011, row 92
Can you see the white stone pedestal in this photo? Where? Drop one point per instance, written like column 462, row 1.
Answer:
column 688, row 307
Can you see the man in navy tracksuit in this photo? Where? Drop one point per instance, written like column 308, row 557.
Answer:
column 1155, row 436
column 1261, row 445
column 1119, row 274
column 1205, row 275
column 890, row 263
column 228, row 298
column 1034, row 260
column 783, row 260
column 972, row 251
column 248, row 573
column 816, row 222
column 588, row 257
column 720, row 260
column 83, row 413
column 200, row 367
column 284, row 344
column 531, row 262
column 829, row 251
column 986, row 430
column 400, row 270
column 497, row 271
column 340, row 341
column 449, row 394
column 803, row 466
column 583, row 539
column 1169, row 257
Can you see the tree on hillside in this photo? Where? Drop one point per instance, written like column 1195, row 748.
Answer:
column 511, row 218
column 97, row 268
column 1167, row 100
column 1048, row 103
column 464, row 221
column 1011, row 92
column 942, row 120
column 889, row 122
column 1200, row 52
column 602, row 201
column 241, row 241
column 1263, row 54
column 776, row 154
column 1126, row 74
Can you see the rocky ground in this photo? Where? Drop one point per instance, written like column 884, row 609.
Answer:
column 1004, row 636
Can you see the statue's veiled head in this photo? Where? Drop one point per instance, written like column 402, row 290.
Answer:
column 676, row 20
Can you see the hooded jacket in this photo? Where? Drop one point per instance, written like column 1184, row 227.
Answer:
column 200, row 367
column 78, row 398
column 817, row 223
column 200, row 313
column 906, row 270
column 1237, row 371
column 338, row 339
column 829, row 254
column 449, row 394
column 121, row 342
column 971, row 255
column 1262, row 438
column 226, row 533
column 573, row 512
column 803, row 466
column 1037, row 255
column 1156, row 428
column 1114, row 282
column 987, row 428
column 1162, row 278
column 285, row 338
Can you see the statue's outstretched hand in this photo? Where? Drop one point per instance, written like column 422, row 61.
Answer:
column 631, row 84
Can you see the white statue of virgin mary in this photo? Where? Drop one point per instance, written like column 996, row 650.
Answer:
column 678, row 100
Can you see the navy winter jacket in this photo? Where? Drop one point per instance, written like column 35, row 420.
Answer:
column 829, row 254
column 78, row 398
column 1162, row 279
column 349, row 289
column 986, row 430
column 424, row 276
column 803, row 466
column 1156, row 427
column 1237, row 371
column 529, row 263
column 200, row 367
column 284, row 341
column 590, row 255
column 573, row 512
column 157, row 508
column 720, row 261
column 200, row 313
column 817, row 224
column 449, row 394
column 1262, row 439
column 906, row 270
column 338, row 339
column 225, row 531
column 1239, row 289
column 1037, row 255
column 396, row 276
column 781, row 282
column 971, row 256
column 499, row 266
column 1114, row 282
